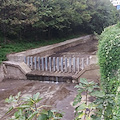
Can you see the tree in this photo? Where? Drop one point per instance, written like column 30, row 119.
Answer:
column 103, row 14
column 14, row 14
column 61, row 15
column 53, row 18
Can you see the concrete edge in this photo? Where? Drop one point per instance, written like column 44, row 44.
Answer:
column 88, row 68
column 48, row 50
column 21, row 66
column 1, row 73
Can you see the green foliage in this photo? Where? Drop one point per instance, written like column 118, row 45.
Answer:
column 13, row 46
column 53, row 18
column 103, row 15
column 109, row 58
column 26, row 108
column 109, row 61
column 15, row 14
column 116, row 110
column 85, row 109
column 100, row 108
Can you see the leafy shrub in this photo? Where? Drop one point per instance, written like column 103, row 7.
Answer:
column 86, row 109
column 109, row 58
column 26, row 108
column 109, row 61
column 100, row 108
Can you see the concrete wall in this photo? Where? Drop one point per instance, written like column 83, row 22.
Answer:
column 90, row 72
column 48, row 50
column 15, row 70
column 1, row 73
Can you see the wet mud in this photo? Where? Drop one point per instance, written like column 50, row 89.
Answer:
column 80, row 50
column 60, row 96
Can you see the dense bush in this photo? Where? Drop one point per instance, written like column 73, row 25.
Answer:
column 109, row 57
column 109, row 61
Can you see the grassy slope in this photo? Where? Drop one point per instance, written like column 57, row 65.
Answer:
column 21, row 46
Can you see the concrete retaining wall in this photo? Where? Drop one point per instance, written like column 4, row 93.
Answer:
column 15, row 70
column 48, row 50
column 1, row 73
column 90, row 72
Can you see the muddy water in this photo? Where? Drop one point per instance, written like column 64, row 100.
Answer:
column 60, row 96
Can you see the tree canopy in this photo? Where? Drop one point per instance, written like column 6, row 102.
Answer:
column 54, row 18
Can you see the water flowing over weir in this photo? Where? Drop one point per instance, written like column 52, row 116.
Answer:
column 57, row 69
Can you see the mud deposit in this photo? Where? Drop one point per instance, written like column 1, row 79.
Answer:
column 60, row 96
column 81, row 50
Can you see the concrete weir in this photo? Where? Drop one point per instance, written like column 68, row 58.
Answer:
column 15, row 67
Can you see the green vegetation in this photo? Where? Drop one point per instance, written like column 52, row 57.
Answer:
column 106, row 105
column 27, row 108
column 13, row 46
column 109, row 61
column 26, row 19
column 109, row 58
column 85, row 109
column 26, row 24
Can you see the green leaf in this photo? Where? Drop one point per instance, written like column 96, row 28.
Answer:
column 36, row 96
column 32, row 115
column 81, row 90
column 44, row 112
column 10, row 109
column 7, row 100
column 92, row 106
column 75, row 103
column 10, row 99
column 90, row 89
column 24, row 106
column 84, row 81
column 77, row 99
column 92, row 83
column 50, row 113
column 82, row 106
column 79, row 86
column 80, row 115
column 26, row 98
column 17, row 114
column 18, row 95
column 98, row 94
column 42, row 117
